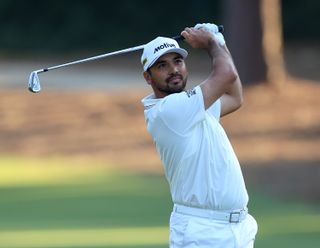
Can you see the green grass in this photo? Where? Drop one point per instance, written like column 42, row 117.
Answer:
column 64, row 203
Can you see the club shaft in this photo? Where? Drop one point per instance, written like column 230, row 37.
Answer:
column 127, row 50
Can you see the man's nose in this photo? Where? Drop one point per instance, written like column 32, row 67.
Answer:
column 174, row 69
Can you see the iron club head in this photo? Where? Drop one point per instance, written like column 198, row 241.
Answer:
column 34, row 82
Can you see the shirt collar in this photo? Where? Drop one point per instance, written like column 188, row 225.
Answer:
column 149, row 101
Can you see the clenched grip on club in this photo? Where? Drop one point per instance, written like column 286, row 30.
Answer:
column 180, row 37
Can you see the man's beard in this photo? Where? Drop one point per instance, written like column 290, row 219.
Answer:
column 171, row 88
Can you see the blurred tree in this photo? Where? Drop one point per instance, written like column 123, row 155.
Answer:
column 272, row 42
column 254, row 34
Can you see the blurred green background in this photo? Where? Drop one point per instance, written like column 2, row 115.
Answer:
column 81, row 25
column 77, row 166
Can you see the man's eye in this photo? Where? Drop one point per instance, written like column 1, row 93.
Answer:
column 161, row 65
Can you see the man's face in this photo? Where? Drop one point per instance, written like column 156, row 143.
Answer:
column 168, row 75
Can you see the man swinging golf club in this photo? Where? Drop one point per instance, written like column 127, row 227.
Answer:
column 206, row 183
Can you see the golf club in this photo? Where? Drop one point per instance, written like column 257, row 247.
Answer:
column 34, row 81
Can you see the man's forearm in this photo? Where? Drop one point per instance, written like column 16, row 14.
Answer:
column 233, row 96
column 235, row 90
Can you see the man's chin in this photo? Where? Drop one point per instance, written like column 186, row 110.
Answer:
column 173, row 90
column 173, row 87
column 177, row 90
column 178, row 86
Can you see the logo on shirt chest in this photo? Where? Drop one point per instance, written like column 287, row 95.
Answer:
column 191, row 92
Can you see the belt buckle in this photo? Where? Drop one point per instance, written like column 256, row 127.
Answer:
column 234, row 217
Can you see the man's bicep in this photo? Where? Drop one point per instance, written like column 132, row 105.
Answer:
column 212, row 90
column 228, row 104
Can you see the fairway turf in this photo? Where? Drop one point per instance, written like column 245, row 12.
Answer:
column 64, row 203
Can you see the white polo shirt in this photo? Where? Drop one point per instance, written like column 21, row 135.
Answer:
column 199, row 162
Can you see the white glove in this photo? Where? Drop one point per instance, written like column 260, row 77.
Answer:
column 212, row 28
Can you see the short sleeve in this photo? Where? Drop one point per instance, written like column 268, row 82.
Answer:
column 215, row 109
column 182, row 111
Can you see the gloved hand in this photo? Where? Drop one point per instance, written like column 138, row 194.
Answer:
column 212, row 28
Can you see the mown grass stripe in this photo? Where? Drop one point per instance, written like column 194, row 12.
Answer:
column 291, row 224
column 84, row 237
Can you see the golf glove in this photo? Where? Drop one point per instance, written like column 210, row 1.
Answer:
column 212, row 28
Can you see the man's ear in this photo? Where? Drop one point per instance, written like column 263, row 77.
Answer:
column 147, row 76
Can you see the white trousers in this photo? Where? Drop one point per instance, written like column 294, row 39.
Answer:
column 188, row 231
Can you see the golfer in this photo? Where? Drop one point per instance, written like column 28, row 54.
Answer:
column 206, row 183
